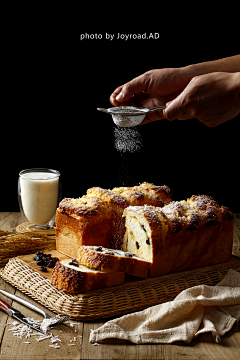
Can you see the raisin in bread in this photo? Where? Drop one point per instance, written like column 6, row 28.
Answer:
column 73, row 277
column 115, row 260
column 96, row 218
column 181, row 235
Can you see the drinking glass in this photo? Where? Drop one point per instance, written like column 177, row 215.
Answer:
column 38, row 196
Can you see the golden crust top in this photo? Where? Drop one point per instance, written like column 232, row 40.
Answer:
column 191, row 214
column 145, row 193
column 108, row 196
column 97, row 200
column 84, row 207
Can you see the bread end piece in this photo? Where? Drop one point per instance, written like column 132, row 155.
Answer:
column 81, row 279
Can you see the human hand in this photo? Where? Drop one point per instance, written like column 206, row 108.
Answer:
column 211, row 98
column 153, row 88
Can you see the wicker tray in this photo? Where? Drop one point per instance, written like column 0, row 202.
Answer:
column 133, row 295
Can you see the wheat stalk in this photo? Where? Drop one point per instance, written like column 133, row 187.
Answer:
column 14, row 244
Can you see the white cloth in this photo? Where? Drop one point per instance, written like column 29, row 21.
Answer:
column 196, row 310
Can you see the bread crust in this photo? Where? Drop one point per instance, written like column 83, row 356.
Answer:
column 96, row 218
column 80, row 281
column 72, row 233
column 184, row 235
column 114, row 260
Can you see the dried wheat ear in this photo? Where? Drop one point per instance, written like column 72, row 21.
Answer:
column 14, row 244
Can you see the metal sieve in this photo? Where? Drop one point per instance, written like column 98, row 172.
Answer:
column 127, row 116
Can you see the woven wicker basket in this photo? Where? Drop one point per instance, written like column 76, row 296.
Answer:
column 134, row 295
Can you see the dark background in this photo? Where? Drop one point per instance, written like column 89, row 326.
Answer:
column 55, row 83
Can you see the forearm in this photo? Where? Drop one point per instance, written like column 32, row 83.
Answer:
column 212, row 98
column 229, row 64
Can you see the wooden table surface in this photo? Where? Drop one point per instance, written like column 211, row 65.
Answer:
column 12, row 348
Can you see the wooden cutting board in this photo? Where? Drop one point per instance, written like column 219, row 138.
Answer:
column 28, row 260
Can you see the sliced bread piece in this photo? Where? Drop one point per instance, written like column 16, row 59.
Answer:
column 70, row 276
column 99, row 257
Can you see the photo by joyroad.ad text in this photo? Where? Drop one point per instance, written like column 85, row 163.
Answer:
column 120, row 36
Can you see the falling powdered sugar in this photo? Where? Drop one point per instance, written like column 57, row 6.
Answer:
column 127, row 139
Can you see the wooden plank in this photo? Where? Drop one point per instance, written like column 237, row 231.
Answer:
column 9, row 220
column 236, row 235
column 228, row 348
column 3, row 317
column 14, row 348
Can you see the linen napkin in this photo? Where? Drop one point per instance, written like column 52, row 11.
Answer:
column 196, row 310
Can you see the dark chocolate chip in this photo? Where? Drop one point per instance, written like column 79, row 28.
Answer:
column 99, row 248
column 127, row 254
column 39, row 253
column 137, row 245
column 40, row 262
column 73, row 263
column 51, row 264
column 43, row 269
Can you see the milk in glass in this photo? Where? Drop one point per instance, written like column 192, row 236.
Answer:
column 39, row 195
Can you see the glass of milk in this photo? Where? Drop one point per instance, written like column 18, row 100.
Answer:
column 38, row 195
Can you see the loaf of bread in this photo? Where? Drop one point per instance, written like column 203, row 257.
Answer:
column 101, row 258
column 181, row 235
column 96, row 218
column 73, row 277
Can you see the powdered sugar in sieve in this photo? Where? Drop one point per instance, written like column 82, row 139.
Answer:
column 128, row 116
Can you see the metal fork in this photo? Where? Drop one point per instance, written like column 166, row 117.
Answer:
column 57, row 321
